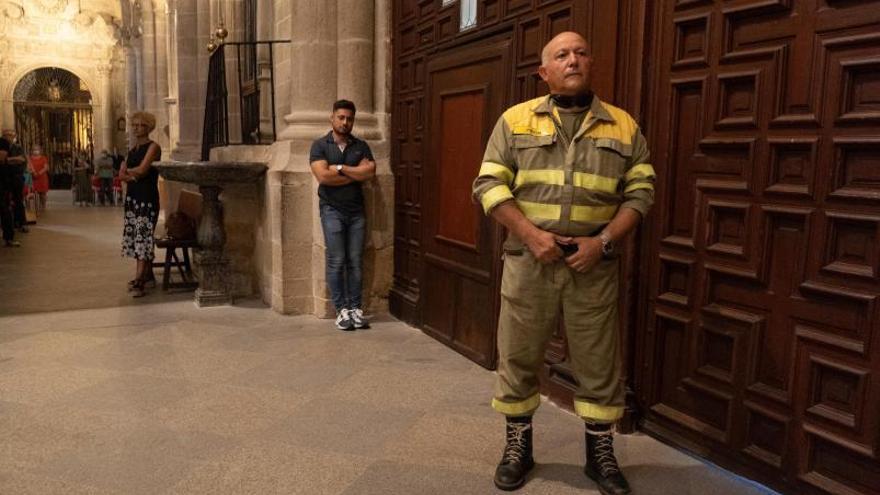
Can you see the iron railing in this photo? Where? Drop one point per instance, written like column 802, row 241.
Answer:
column 241, row 96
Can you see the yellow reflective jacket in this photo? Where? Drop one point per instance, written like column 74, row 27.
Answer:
column 572, row 189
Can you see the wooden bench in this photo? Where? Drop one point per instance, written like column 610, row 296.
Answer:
column 189, row 203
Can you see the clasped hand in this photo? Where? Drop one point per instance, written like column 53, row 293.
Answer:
column 545, row 246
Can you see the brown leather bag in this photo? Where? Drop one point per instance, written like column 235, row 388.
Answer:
column 180, row 226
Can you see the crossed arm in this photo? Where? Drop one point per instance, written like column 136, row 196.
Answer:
column 16, row 159
column 328, row 176
column 133, row 174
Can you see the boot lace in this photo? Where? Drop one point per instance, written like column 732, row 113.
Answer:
column 603, row 453
column 515, row 451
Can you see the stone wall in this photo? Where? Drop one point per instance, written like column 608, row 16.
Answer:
column 339, row 49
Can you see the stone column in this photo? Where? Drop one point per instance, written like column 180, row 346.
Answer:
column 355, row 35
column 313, row 68
column 190, row 70
column 171, row 73
column 265, row 20
column 133, row 89
column 105, row 73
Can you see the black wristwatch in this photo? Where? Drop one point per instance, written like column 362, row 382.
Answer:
column 339, row 169
column 609, row 248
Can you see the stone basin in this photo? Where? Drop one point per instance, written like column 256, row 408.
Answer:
column 212, row 177
column 211, row 173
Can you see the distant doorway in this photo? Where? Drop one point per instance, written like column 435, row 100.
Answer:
column 53, row 109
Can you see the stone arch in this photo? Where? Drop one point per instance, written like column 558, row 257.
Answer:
column 54, row 108
column 23, row 70
column 35, row 86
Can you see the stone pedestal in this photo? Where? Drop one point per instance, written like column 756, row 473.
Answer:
column 213, row 266
column 213, row 287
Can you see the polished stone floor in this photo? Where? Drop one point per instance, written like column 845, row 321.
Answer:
column 103, row 395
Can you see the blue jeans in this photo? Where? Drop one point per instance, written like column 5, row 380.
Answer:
column 344, row 238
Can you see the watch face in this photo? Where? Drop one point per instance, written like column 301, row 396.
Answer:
column 608, row 248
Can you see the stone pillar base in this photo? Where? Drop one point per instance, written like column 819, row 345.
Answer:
column 208, row 298
column 213, row 281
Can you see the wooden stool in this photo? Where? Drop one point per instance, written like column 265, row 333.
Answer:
column 189, row 203
column 180, row 262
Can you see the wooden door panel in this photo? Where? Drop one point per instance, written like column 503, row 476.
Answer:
column 461, row 116
column 762, row 299
column 466, row 92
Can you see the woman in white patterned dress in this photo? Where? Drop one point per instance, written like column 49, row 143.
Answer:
column 141, row 202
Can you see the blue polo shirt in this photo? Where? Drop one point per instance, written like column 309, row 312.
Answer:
column 350, row 197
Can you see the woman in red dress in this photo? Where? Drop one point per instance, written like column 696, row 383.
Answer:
column 39, row 166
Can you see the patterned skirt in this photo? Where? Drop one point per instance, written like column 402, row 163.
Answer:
column 138, row 228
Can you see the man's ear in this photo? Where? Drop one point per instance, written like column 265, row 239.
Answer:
column 542, row 71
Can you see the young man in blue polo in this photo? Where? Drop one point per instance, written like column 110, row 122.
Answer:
column 341, row 162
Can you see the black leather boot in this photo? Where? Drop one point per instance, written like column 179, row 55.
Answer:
column 601, row 464
column 517, row 459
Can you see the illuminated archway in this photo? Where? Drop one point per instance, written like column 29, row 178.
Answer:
column 53, row 109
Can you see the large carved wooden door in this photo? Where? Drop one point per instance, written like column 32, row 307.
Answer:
column 761, row 346
column 467, row 92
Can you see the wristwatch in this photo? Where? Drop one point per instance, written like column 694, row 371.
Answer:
column 339, row 169
column 609, row 248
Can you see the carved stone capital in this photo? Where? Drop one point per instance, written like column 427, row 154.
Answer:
column 52, row 6
column 104, row 71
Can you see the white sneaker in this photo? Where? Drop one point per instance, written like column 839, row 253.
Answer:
column 343, row 320
column 358, row 318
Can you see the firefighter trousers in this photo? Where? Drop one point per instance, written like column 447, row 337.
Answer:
column 533, row 297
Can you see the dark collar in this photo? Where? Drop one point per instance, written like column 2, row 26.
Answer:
column 566, row 101
column 597, row 109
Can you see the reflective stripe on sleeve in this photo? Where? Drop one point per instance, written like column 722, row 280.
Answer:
column 495, row 195
column 641, row 171
column 497, row 170
column 638, row 185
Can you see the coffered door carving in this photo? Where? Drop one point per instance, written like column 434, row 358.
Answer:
column 761, row 346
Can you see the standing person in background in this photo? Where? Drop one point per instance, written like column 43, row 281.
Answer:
column 105, row 175
column 141, row 202
column 341, row 162
column 6, row 172
column 82, row 183
column 39, row 167
column 118, row 159
column 18, row 162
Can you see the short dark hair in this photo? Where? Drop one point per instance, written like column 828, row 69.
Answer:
column 345, row 104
